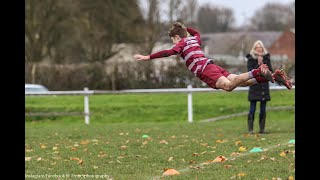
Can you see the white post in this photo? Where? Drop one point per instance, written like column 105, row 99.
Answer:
column 189, row 104
column 86, row 107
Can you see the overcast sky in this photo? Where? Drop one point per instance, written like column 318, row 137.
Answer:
column 242, row 9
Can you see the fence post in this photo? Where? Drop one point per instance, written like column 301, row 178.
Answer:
column 190, row 104
column 86, row 107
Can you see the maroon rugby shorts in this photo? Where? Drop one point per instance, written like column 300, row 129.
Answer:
column 211, row 74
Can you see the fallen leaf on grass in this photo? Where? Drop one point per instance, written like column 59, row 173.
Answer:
column 221, row 141
column 238, row 143
column 227, row 166
column 42, row 146
column 170, row 159
column 242, row 174
column 290, row 178
column 123, row 147
column 220, row 159
column 163, row 142
column 39, row 159
column 204, row 152
column 204, row 144
column 27, row 158
column 242, row 149
column 85, row 142
column 54, row 148
column 80, row 161
column 235, row 154
column 194, row 167
column 282, row 154
column 74, row 159
column 170, row 172
column 192, row 161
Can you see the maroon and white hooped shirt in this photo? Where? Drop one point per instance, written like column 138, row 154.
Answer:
column 189, row 50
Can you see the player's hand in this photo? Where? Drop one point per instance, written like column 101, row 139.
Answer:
column 141, row 57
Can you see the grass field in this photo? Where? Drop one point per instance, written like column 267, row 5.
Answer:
column 113, row 147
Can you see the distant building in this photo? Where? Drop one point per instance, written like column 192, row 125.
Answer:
column 231, row 47
column 284, row 46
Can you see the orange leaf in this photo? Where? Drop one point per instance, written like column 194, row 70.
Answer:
column 238, row 143
column 170, row 172
column 220, row 159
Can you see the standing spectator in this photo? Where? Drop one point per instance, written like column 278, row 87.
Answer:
column 258, row 92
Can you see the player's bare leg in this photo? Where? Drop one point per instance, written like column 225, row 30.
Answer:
column 245, row 79
column 233, row 81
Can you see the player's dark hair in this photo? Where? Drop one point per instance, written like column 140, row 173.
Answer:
column 178, row 29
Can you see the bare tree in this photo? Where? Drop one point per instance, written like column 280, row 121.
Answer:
column 43, row 28
column 213, row 18
column 152, row 28
column 273, row 16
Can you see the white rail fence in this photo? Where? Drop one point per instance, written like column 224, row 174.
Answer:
column 189, row 90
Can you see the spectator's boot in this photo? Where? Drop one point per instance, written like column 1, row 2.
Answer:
column 250, row 123
column 282, row 79
column 262, row 123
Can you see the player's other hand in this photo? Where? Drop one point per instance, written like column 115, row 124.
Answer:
column 141, row 57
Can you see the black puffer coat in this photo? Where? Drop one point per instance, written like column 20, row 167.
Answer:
column 258, row 92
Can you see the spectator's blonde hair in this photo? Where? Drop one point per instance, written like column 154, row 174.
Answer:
column 253, row 51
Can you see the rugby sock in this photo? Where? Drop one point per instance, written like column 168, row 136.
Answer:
column 255, row 72
column 260, row 79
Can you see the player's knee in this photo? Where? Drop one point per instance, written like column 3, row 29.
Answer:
column 229, row 87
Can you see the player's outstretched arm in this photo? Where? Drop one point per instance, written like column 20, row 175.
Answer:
column 140, row 57
column 160, row 54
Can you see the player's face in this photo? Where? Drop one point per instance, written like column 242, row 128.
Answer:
column 259, row 48
column 175, row 39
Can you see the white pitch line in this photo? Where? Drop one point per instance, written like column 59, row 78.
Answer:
column 233, row 157
column 279, row 108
